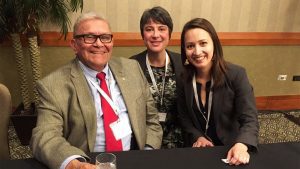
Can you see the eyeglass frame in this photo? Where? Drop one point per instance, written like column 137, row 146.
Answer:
column 95, row 36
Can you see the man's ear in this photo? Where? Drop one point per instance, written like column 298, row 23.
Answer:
column 74, row 45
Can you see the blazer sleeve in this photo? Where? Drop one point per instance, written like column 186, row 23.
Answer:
column 153, row 128
column 245, row 107
column 47, row 142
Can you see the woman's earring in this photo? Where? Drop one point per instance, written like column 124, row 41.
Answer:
column 186, row 62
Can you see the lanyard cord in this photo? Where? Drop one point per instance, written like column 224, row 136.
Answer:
column 209, row 101
column 153, row 79
column 106, row 97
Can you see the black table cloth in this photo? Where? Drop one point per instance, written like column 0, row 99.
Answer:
column 269, row 156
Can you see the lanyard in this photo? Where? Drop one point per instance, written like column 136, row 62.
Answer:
column 106, row 97
column 153, row 79
column 209, row 101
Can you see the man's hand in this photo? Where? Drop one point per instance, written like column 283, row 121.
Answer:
column 203, row 142
column 238, row 154
column 76, row 164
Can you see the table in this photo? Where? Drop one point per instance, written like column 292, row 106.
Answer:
column 270, row 156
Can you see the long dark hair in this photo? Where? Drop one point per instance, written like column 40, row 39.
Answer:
column 219, row 65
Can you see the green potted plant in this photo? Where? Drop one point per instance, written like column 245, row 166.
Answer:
column 23, row 17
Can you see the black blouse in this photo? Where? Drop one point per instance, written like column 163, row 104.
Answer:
column 211, row 131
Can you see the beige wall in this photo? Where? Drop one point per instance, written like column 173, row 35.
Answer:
column 226, row 15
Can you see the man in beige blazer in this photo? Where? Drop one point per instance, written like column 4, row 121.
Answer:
column 67, row 126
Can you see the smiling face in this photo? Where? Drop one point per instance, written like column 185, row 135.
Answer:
column 95, row 55
column 199, row 48
column 156, row 36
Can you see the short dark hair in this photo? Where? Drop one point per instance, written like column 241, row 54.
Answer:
column 219, row 65
column 157, row 14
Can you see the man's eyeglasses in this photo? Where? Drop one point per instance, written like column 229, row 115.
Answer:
column 90, row 38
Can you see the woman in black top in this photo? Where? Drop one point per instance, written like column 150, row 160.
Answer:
column 217, row 101
column 162, row 69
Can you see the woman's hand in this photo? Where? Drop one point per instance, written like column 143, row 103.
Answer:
column 203, row 142
column 238, row 154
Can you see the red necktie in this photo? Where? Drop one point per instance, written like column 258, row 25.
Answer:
column 109, row 117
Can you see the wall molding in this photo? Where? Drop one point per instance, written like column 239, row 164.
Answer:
column 127, row 39
column 284, row 102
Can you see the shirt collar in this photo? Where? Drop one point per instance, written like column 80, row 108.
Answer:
column 92, row 73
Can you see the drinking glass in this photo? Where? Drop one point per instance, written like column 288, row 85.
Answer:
column 106, row 161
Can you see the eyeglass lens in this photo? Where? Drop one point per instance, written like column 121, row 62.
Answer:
column 104, row 38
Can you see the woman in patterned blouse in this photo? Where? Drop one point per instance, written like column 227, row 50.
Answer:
column 162, row 69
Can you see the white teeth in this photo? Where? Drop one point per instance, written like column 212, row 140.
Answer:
column 98, row 52
column 199, row 58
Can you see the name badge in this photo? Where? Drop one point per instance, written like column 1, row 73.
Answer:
column 120, row 128
column 162, row 116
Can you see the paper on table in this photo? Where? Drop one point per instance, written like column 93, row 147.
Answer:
column 225, row 160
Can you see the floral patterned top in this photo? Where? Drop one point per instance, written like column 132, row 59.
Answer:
column 172, row 137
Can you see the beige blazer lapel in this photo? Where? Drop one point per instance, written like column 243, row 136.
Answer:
column 127, row 89
column 86, row 103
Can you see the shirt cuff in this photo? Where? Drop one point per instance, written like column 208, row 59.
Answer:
column 148, row 147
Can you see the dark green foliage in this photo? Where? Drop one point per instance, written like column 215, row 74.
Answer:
column 24, row 16
column 11, row 17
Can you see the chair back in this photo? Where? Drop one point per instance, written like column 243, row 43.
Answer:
column 5, row 112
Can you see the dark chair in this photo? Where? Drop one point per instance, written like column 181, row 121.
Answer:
column 5, row 111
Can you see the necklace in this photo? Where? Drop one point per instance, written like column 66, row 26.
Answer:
column 210, row 96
